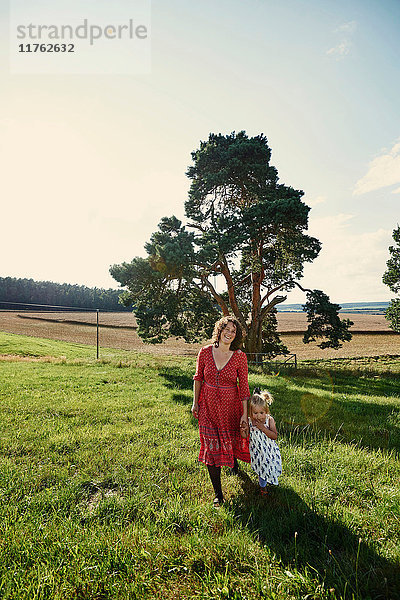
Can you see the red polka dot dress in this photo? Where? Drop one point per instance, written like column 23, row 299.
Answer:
column 220, row 408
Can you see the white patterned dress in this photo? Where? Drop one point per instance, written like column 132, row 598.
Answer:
column 265, row 456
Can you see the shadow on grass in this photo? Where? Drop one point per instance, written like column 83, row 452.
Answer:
column 362, row 409
column 346, row 423
column 177, row 380
column 366, row 384
column 304, row 539
column 283, row 521
column 349, row 381
column 321, row 404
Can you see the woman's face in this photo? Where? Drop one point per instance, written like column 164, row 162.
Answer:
column 228, row 333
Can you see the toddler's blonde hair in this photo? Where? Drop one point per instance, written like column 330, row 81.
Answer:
column 261, row 398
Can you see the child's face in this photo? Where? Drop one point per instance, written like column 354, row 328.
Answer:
column 259, row 414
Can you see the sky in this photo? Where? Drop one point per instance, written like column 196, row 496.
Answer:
column 91, row 162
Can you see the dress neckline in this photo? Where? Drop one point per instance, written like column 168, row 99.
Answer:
column 215, row 364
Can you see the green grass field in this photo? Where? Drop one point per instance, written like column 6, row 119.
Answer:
column 102, row 495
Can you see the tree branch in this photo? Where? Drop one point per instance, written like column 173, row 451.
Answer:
column 244, row 279
column 210, row 268
column 274, row 302
column 279, row 287
column 197, row 226
column 216, row 296
column 231, row 293
column 305, row 290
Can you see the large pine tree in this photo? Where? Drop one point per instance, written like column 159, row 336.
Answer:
column 246, row 230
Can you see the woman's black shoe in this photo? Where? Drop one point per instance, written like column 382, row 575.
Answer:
column 218, row 502
column 235, row 469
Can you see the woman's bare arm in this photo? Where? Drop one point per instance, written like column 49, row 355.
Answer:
column 196, row 393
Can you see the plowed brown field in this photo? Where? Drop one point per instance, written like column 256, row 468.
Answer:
column 371, row 334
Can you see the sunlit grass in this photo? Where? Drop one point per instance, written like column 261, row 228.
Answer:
column 102, row 495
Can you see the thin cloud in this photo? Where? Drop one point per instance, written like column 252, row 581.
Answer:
column 348, row 27
column 383, row 171
column 341, row 50
column 344, row 46
column 351, row 263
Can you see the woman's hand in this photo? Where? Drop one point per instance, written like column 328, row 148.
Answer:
column 244, row 429
column 195, row 410
column 243, row 422
column 196, row 395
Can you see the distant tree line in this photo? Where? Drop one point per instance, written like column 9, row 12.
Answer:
column 58, row 294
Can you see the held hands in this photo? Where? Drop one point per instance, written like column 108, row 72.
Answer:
column 195, row 410
column 244, row 427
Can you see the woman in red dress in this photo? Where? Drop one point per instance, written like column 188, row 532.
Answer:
column 221, row 393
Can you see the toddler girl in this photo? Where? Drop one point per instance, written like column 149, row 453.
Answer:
column 264, row 452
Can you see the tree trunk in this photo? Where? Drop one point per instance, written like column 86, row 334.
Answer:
column 253, row 341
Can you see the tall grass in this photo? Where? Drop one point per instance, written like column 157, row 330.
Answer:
column 102, row 495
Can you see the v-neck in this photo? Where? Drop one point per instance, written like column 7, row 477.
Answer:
column 212, row 354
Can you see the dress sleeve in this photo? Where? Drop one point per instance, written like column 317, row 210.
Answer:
column 199, row 375
column 243, row 376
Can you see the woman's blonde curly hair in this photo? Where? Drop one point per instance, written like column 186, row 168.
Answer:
column 220, row 326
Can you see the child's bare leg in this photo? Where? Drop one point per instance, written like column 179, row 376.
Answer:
column 263, row 486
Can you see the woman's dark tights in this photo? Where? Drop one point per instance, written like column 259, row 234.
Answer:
column 215, row 476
